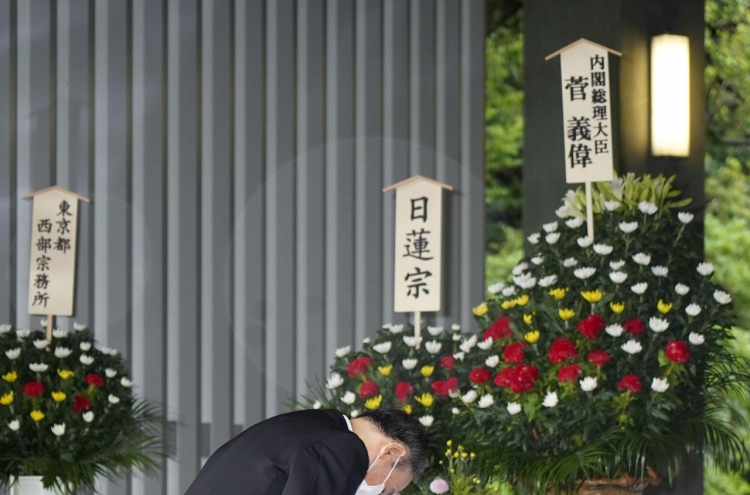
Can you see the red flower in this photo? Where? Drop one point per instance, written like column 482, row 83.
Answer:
column 33, row 389
column 591, row 326
column 442, row 389
column 561, row 350
column 630, row 382
column 569, row 373
column 479, row 375
column 94, row 379
column 499, row 329
column 678, row 352
column 403, row 391
column 513, row 353
column 505, row 377
column 634, row 327
column 368, row 389
column 448, row 362
column 359, row 366
column 599, row 358
column 81, row 403
column 523, row 378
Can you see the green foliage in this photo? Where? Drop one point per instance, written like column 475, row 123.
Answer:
column 499, row 264
column 68, row 413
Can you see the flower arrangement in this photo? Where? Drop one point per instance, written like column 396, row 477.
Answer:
column 68, row 413
column 607, row 356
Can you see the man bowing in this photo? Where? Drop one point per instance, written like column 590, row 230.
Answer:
column 318, row 453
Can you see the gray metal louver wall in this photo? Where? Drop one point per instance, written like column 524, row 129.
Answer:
column 235, row 152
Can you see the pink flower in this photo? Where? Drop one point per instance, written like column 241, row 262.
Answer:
column 439, row 486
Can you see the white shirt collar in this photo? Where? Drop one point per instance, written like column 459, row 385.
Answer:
column 348, row 423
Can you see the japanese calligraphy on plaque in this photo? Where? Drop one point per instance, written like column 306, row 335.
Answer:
column 53, row 251
column 418, row 255
column 587, row 115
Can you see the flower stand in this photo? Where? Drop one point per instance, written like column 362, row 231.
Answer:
column 624, row 485
column 30, row 485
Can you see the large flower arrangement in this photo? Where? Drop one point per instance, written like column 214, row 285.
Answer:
column 607, row 355
column 67, row 411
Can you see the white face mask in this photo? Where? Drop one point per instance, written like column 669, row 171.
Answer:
column 365, row 489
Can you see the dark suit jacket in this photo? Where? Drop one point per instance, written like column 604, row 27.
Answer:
column 299, row 453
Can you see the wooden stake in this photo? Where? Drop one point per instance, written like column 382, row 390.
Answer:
column 589, row 211
column 50, row 319
column 417, row 325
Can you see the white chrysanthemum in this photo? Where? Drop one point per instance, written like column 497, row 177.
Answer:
column 426, row 421
column 43, row 322
column 13, row 353
column 722, row 297
column 125, row 382
column 520, row 268
column 5, row 328
column 642, row 258
column 527, row 283
column 616, row 265
column 548, row 281
column 354, row 413
column 550, row 227
column 109, row 351
column 459, row 355
column 396, row 329
column 454, row 394
column 59, row 334
column 40, row 344
column 495, row 288
column 588, row 384
column 456, row 327
column 485, row 344
column 79, row 327
column 584, row 273
column 520, row 279
column 14, row 425
column 62, row 352
column 659, row 385
column 486, row 401
column 349, row 398
column 628, row 227
column 467, row 344
column 38, row 367
column 412, row 340
column 317, row 405
column 564, row 211
column 685, row 217
column 433, row 347
column 87, row 360
column 88, row 416
column 58, row 429
column 23, row 333
column 658, row 325
column 618, row 277
column 570, row 262
column 611, row 205
column 113, row 399
column 574, row 223
column 640, row 288
column 705, row 269
column 660, row 271
column 85, row 346
column 632, row 347
column 681, row 289
column 409, row 363
column 552, row 238
column 110, row 373
column 696, row 338
column 469, row 396
column 343, row 351
column 492, row 361
column 383, row 347
column 585, row 242
column 693, row 310
column 550, row 400
column 534, row 238
column 366, row 341
column 334, row 381
column 455, row 410
column 434, row 331
column 537, row 260
column 513, row 408
column 602, row 249
column 647, row 207
column 615, row 330
column 456, row 337
column 509, row 291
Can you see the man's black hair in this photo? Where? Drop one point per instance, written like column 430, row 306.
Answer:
column 397, row 425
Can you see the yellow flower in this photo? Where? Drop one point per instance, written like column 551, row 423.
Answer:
column 425, row 399
column 481, row 310
column 663, row 307
column 427, row 370
column 407, row 409
column 566, row 314
column 449, row 443
column 527, row 319
column 373, row 402
column 464, row 455
column 522, row 300
column 65, row 374
column 7, row 399
column 455, row 455
column 37, row 415
column 58, row 396
column 532, row 337
column 558, row 293
column 385, row 370
column 617, row 308
column 592, row 296
column 508, row 304
column 472, row 455
column 10, row 376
